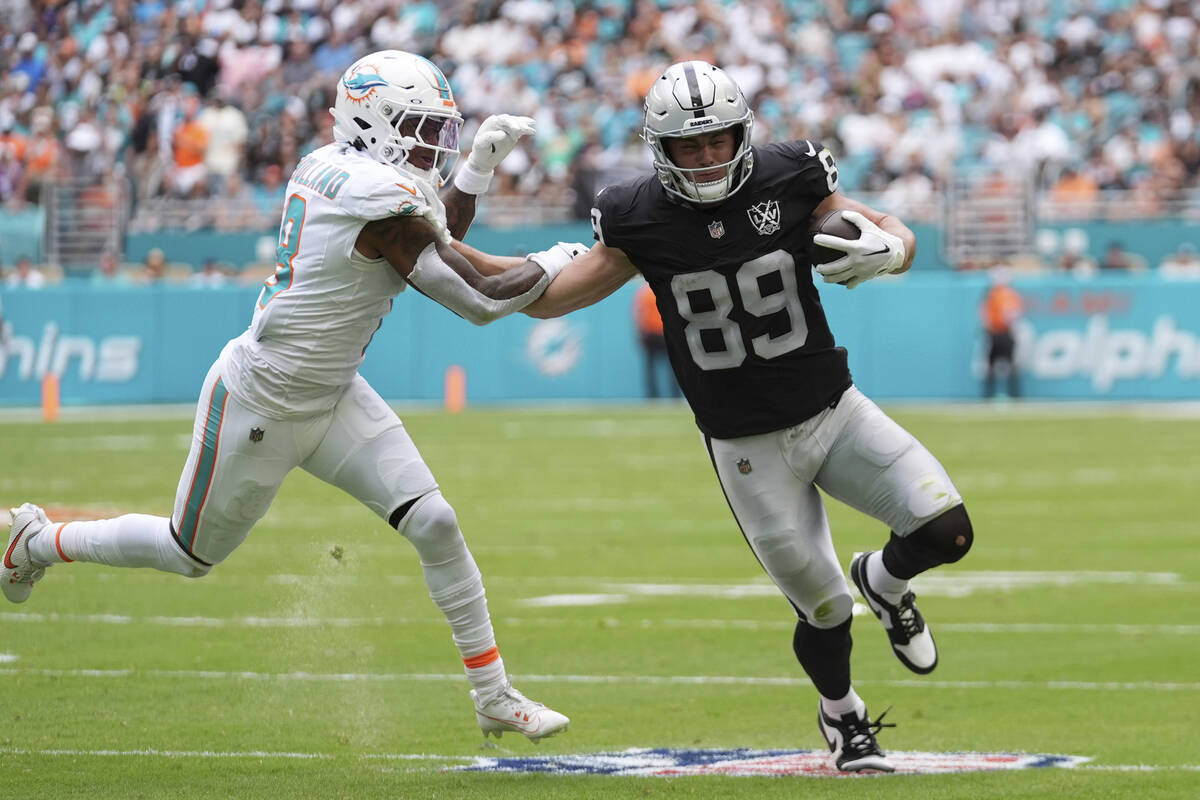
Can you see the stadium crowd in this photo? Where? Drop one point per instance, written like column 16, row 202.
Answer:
column 217, row 99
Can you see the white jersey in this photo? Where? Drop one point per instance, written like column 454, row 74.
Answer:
column 317, row 313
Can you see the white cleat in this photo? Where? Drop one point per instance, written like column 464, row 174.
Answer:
column 512, row 711
column 19, row 573
column 911, row 639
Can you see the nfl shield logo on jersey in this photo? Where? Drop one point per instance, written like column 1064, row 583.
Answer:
column 764, row 217
column 716, row 229
column 256, row 434
column 744, row 466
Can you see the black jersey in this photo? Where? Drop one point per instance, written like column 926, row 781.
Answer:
column 745, row 330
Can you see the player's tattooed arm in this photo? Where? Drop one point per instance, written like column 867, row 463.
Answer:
column 460, row 210
column 411, row 245
column 402, row 240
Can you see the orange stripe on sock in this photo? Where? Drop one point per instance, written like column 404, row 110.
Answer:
column 58, row 544
column 483, row 659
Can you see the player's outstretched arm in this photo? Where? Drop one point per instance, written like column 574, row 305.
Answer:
column 586, row 280
column 486, row 263
column 414, row 248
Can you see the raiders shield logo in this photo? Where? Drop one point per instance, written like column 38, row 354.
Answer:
column 716, row 229
column 764, row 217
column 744, row 466
column 256, row 434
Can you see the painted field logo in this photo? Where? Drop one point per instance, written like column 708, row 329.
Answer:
column 666, row 763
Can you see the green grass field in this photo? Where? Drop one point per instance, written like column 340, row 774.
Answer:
column 1071, row 628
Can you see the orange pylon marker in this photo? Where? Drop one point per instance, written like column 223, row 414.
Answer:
column 456, row 388
column 50, row 397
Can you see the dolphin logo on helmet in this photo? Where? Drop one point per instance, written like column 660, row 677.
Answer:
column 361, row 85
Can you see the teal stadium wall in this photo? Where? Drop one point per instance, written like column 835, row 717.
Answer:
column 21, row 234
column 1128, row 338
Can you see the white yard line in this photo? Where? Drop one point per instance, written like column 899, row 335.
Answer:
column 654, row 680
column 191, row 621
column 1140, row 767
column 16, row 751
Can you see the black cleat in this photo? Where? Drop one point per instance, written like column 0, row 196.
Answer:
column 851, row 739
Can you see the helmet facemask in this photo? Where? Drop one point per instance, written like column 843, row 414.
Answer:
column 687, row 183
column 420, row 134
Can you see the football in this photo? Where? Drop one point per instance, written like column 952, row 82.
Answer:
column 833, row 224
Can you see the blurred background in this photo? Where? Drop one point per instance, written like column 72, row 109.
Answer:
column 1047, row 148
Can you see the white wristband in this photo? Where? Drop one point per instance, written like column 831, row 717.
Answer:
column 470, row 180
column 556, row 258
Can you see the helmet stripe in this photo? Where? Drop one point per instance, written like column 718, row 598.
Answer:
column 689, row 73
column 443, row 86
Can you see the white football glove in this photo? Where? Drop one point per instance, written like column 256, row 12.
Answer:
column 556, row 258
column 494, row 140
column 872, row 254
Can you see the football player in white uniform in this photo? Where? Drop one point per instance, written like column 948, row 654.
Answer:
column 362, row 221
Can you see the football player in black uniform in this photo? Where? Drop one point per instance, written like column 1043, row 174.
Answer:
column 721, row 233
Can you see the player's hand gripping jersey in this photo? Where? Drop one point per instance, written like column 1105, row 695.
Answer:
column 745, row 330
column 317, row 313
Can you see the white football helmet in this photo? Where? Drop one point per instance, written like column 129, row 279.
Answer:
column 392, row 103
column 694, row 97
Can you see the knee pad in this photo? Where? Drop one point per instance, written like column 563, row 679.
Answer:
column 832, row 612
column 942, row 540
column 432, row 527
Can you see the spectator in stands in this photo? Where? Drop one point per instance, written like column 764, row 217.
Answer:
column 227, row 131
column 41, row 154
column 25, row 275
column 237, row 209
column 1183, row 264
column 189, row 146
column 84, row 146
column 1117, row 259
column 11, row 173
column 108, row 273
column 999, row 312
column 1077, row 191
column 154, row 267
column 1073, row 259
column 12, row 159
column 209, row 276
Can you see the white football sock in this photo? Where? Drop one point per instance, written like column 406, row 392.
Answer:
column 133, row 540
column 845, row 705
column 456, row 587
column 882, row 581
